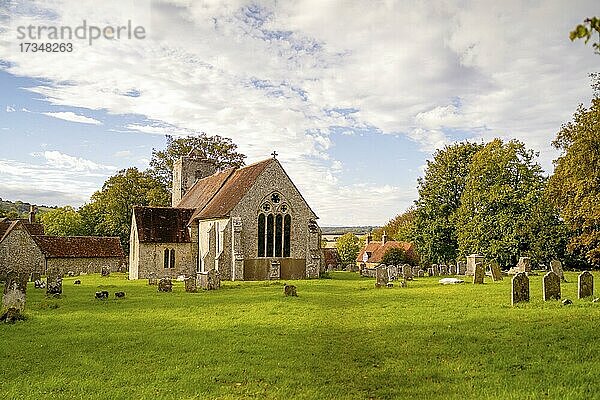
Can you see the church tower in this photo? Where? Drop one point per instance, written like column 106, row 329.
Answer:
column 186, row 171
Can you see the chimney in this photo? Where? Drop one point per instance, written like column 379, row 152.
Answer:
column 383, row 238
column 32, row 214
column 369, row 238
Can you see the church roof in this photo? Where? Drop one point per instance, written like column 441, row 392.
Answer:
column 204, row 190
column 162, row 224
column 79, row 246
column 7, row 225
column 376, row 250
column 235, row 183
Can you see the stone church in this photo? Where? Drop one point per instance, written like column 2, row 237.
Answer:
column 248, row 223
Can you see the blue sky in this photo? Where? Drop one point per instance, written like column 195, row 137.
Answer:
column 354, row 96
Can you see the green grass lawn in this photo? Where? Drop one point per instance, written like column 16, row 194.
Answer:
column 340, row 339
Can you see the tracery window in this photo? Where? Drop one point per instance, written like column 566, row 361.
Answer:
column 274, row 227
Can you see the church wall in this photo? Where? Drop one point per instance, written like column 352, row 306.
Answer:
column 151, row 260
column 19, row 251
column 304, row 244
column 87, row 265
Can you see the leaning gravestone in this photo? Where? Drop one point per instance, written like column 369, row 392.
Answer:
column 381, row 276
column 152, row 280
column 472, row 261
column 54, row 282
column 165, row 285
column 556, row 267
column 478, row 274
column 551, row 286
column 585, row 285
column 496, row 272
column 191, row 285
column 210, row 280
column 13, row 298
column 520, row 288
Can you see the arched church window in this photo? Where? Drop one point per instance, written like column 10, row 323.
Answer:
column 270, row 232
column 172, row 261
column 261, row 235
column 278, row 235
column 287, row 230
column 274, row 227
column 166, row 258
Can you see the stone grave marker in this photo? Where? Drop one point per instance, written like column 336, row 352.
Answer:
column 152, row 280
column 524, row 265
column 452, row 269
column 381, row 276
column 479, row 273
column 103, row 295
column 421, row 274
column 443, row 269
column 415, row 271
column 392, row 272
column 472, row 260
column 119, row 295
column 436, row 270
column 36, row 276
column 165, row 285
column 290, row 291
column 54, row 282
column 14, row 296
column 407, row 272
column 461, row 268
column 105, row 271
column 556, row 267
column 551, row 286
column 191, row 285
column 520, row 288
column 430, row 272
column 496, row 272
column 210, row 280
column 39, row 284
column 585, row 285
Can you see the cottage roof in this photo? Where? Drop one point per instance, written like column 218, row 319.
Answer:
column 7, row 225
column 162, row 224
column 376, row 250
column 79, row 246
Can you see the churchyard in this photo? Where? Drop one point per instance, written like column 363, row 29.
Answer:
column 340, row 338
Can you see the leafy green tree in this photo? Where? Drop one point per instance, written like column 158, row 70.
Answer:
column 63, row 221
column 401, row 227
column 503, row 187
column 590, row 26
column 440, row 192
column 348, row 246
column 222, row 151
column 110, row 209
column 394, row 256
column 575, row 185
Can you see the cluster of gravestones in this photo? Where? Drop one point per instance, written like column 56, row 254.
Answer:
column 210, row 280
column 385, row 275
column 103, row 295
column 551, row 287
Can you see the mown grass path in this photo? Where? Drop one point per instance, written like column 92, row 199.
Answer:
column 340, row 339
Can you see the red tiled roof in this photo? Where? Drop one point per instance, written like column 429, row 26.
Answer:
column 162, row 224
column 204, row 190
column 376, row 250
column 79, row 246
column 7, row 225
column 235, row 186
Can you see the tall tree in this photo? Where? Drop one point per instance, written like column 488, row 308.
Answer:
column 401, row 227
column 222, row 151
column 503, row 188
column 575, row 185
column 348, row 246
column 63, row 221
column 110, row 209
column 590, row 26
column 440, row 192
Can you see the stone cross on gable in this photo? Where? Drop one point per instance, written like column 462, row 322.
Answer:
column 274, row 154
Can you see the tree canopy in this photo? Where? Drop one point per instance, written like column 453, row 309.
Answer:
column 63, row 221
column 348, row 246
column 590, row 26
column 394, row 256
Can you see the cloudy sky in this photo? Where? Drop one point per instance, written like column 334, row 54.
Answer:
column 353, row 95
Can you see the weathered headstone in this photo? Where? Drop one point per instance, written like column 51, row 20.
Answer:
column 392, row 272
column 103, row 295
column 436, row 270
column 452, row 269
column 407, row 272
column 472, row 260
column 53, row 282
column 105, row 271
column 191, row 285
column 520, row 288
column 551, row 286
column 152, row 280
column 420, row 273
column 165, row 285
column 39, row 284
column 524, row 265
column 430, row 272
column 556, row 267
column 13, row 298
column 381, row 276
column 415, row 271
column 461, row 268
column 478, row 274
column 210, row 280
column 585, row 285
column 496, row 272
column 443, row 269
column 275, row 270
column 566, row 302
column 119, row 295
column 290, row 291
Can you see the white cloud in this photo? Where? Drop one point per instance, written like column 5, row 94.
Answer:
column 10, row 109
column 59, row 160
column 122, row 153
column 71, row 116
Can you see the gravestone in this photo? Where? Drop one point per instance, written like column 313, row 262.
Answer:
column 585, row 285
column 13, row 298
column 103, row 295
column 39, row 284
column 191, row 285
column 165, row 285
column 478, row 274
column 36, row 276
column 210, row 280
column 430, row 272
column 556, row 267
column 524, row 265
column 496, row 272
column 452, row 270
column 472, row 260
column 152, row 280
column 461, row 268
column 392, row 272
column 415, row 271
column 443, row 269
column 520, row 288
column 381, row 276
column 407, row 272
column 436, row 270
column 77, row 282
column 290, row 291
column 275, row 270
column 119, row 295
column 421, row 274
column 105, row 271
column 551, row 286
column 53, row 282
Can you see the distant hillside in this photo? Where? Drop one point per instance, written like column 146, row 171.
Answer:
column 18, row 209
column 357, row 230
